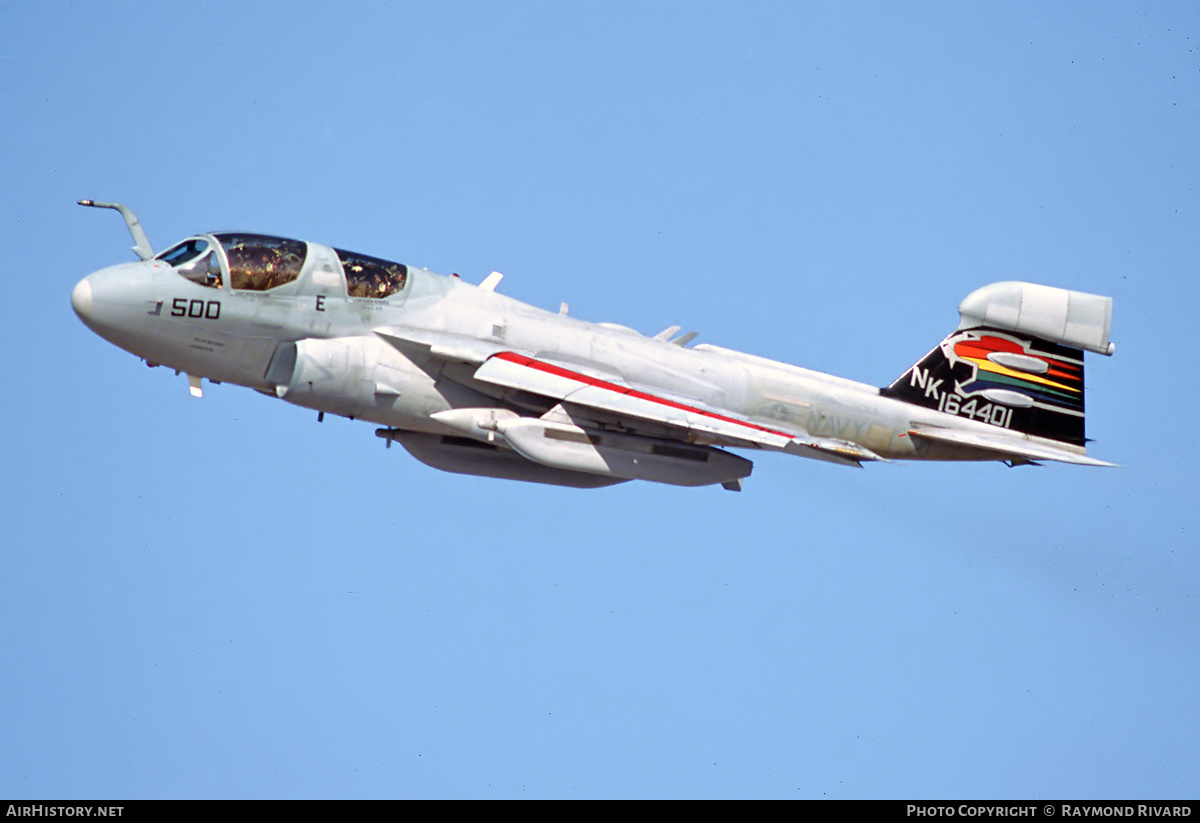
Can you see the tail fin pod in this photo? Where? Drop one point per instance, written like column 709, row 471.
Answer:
column 1015, row 361
column 1070, row 318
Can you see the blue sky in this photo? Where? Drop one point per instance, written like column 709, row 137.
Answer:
column 222, row 598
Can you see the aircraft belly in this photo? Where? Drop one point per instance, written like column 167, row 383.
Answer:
column 461, row 455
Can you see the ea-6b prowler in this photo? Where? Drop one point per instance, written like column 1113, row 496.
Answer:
column 474, row 382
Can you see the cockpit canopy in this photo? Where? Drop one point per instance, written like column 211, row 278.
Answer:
column 370, row 276
column 194, row 259
column 260, row 262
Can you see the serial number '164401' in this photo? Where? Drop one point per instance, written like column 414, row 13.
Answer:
column 975, row 409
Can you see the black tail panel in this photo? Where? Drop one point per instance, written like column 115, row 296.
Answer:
column 1007, row 380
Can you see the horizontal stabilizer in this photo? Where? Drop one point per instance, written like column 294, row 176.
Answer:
column 1005, row 446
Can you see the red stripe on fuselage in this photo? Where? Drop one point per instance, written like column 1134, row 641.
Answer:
column 559, row 371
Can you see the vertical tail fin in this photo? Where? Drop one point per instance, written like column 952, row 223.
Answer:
column 1015, row 361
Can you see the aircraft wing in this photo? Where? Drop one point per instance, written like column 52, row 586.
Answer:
column 1004, row 445
column 570, row 385
column 445, row 345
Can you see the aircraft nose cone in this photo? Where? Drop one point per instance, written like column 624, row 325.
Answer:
column 81, row 298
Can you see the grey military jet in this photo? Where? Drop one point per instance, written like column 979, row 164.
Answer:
column 470, row 381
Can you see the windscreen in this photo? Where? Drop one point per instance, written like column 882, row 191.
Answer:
column 195, row 259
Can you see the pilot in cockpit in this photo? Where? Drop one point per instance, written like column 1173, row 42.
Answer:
column 195, row 260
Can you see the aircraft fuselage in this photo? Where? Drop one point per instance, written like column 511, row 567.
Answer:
column 429, row 356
